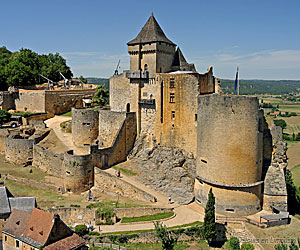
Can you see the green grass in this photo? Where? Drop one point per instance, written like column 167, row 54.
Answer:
column 19, row 171
column 151, row 230
column 66, row 126
column 69, row 114
column 158, row 216
column 125, row 171
column 296, row 175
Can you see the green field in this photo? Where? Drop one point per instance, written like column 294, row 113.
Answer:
column 159, row 216
column 296, row 175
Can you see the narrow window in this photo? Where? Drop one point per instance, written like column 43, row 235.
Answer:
column 196, row 117
column 172, row 83
column 230, row 210
column 146, row 67
column 173, row 115
column 17, row 243
column 204, row 161
column 5, row 238
column 172, row 97
column 128, row 107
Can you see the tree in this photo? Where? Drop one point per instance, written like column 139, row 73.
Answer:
column 281, row 246
column 4, row 116
column 293, row 245
column 281, row 123
column 209, row 219
column 101, row 96
column 247, row 246
column 293, row 193
column 234, row 244
column 167, row 239
column 81, row 78
column 81, row 230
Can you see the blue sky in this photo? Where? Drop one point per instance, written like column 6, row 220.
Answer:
column 262, row 37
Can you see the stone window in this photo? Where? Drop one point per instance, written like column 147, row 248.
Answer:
column 196, row 117
column 5, row 238
column 173, row 115
column 144, row 93
column 172, row 97
column 204, row 161
column 172, row 83
column 17, row 243
column 146, row 67
column 231, row 210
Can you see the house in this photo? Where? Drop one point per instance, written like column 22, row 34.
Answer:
column 31, row 231
column 8, row 202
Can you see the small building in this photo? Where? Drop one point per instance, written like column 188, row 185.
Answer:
column 8, row 202
column 28, row 231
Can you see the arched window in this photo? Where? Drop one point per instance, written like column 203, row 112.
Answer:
column 128, row 107
column 146, row 67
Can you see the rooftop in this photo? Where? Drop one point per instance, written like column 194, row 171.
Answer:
column 151, row 32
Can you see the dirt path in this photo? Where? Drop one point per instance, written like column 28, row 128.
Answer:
column 65, row 138
column 185, row 214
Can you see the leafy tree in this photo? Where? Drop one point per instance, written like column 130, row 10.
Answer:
column 101, row 96
column 4, row 116
column 293, row 193
column 209, row 219
column 281, row 246
column 293, row 245
column 81, row 230
column 81, row 78
column 247, row 246
column 234, row 244
column 167, row 239
column 281, row 123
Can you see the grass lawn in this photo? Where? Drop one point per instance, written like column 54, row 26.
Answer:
column 296, row 175
column 19, row 171
column 158, row 216
column 124, row 171
column 67, row 114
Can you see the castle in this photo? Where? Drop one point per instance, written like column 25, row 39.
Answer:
column 165, row 101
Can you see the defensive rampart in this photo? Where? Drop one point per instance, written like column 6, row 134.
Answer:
column 107, row 183
column 85, row 124
column 78, row 172
column 229, row 153
column 47, row 161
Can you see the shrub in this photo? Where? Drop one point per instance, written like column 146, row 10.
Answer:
column 234, row 244
column 281, row 123
column 247, row 246
column 81, row 230
column 94, row 233
column 74, row 205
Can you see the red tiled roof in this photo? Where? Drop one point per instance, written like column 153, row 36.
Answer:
column 68, row 243
column 17, row 222
column 39, row 226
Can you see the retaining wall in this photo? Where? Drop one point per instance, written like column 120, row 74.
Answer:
column 47, row 161
column 107, row 183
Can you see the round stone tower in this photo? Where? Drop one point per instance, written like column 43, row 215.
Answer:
column 229, row 153
column 78, row 172
column 85, row 124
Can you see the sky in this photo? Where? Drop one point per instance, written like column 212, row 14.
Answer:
column 262, row 37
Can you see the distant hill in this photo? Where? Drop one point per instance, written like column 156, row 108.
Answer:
column 251, row 87
column 247, row 87
column 98, row 81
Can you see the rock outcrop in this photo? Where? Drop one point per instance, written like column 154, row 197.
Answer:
column 168, row 170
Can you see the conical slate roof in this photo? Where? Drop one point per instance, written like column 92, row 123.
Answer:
column 151, row 32
column 179, row 58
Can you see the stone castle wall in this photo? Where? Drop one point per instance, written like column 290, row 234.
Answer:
column 78, row 172
column 109, row 125
column 107, row 183
column 47, row 161
column 75, row 215
column 18, row 150
column 7, row 100
column 3, row 134
column 85, row 124
column 52, row 101
column 229, row 154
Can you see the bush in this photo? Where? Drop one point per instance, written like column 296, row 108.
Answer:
column 247, row 246
column 94, row 233
column 234, row 244
column 281, row 123
column 81, row 230
column 4, row 116
column 74, row 205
